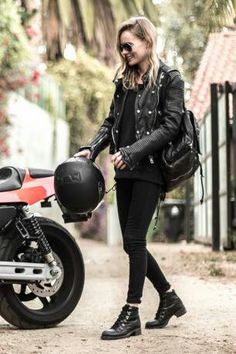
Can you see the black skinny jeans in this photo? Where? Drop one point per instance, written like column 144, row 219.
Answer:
column 136, row 203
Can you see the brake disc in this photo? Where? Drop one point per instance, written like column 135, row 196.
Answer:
column 48, row 288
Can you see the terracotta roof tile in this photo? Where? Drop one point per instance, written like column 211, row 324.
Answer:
column 217, row 65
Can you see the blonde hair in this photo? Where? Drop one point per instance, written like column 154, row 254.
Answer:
column 143, row 29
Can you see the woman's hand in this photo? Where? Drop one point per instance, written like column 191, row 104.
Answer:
column 117, row 161
column 84, row 153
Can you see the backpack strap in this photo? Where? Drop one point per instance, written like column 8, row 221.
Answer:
column 195, row 132
column 167, row 70
column 171, row 70
column 201, row 175
column 161, row 198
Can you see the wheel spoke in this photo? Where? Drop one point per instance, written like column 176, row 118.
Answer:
column 53, row 299
column 23, row 289
column 44, row 301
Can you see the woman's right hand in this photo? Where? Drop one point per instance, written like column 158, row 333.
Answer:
column 85, row 153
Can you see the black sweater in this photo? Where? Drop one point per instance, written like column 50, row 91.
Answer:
column 145, row 171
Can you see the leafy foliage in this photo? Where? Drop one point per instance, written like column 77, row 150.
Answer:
column 87, row 87
column 13, row 44
column 187, row 25
column 89, row 23
column 217, row 13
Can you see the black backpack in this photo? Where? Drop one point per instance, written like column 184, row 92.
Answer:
column 179, row 159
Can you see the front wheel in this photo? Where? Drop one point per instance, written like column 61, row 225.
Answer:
column 42, row 304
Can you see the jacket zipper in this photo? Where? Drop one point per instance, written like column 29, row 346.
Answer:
column 113, row 138
column 122, row 108
column 118, row 120
column 151, row 159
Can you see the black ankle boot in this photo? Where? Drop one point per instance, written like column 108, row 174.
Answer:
column 127, row 324
column 170, row 305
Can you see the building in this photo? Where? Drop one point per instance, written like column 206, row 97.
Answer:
column 213, row 101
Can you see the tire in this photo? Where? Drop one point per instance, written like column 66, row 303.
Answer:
column 16, row 307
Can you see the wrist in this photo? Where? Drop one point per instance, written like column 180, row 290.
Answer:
column 126, row 158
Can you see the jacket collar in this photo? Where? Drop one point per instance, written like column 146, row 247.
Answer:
column 161, row 63
column 161, row 66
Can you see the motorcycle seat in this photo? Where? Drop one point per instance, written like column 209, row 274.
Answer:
column 40, row 173
column 11, row 178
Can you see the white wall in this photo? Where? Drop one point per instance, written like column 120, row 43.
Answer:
column 30, row 142
column 30, row 138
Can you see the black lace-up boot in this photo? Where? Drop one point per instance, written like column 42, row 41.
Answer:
column 170, row 305
column 127, row 324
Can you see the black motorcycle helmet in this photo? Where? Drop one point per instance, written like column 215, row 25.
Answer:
column 79, row 185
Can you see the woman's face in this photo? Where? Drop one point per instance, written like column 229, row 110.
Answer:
column 139, row 49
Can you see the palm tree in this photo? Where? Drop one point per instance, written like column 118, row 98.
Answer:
column 92, row 23
column 219, row 13
column 89, row 23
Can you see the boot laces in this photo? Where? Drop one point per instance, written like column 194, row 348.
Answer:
column 123, row 317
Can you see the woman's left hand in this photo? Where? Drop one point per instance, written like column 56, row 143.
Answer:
column 117, row 161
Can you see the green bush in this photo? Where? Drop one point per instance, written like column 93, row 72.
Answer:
column 13, row 41
column 87, row 88
column 13, row 49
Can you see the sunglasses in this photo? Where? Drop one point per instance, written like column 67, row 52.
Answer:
column 127, row 46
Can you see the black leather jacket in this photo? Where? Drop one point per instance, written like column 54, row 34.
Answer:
column 157, row 119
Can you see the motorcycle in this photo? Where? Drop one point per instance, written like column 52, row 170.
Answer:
column 41, row 265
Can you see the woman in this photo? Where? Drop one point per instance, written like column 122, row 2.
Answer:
column 139, row 124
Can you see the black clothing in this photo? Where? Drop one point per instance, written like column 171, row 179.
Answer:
column 170, row 305
column 157, row 121
column 136, row 202
column 145, row 170
column 156, row 127
column 127, row 324
column 127, row 124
